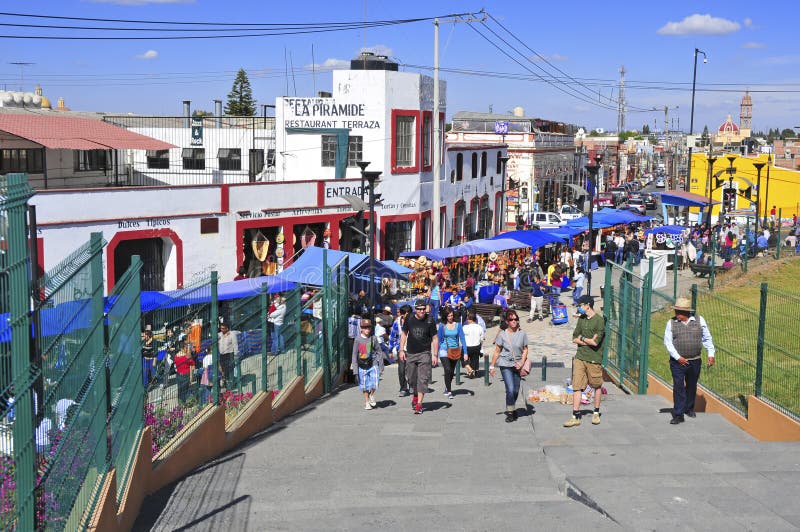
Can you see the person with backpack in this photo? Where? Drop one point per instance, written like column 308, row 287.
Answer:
column 367, row 363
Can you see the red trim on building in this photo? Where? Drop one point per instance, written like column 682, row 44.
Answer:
column 140, row 235
column 224, row 198
column 320, row 193
column 114, row 220
column 383, row 220
column 427, row 114
column 405, row 169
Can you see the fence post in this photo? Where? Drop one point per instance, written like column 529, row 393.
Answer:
column 486, row 370
column 18, row 292
column 674, row 275
column 644, row 351
column 694, row 297
column 608, row 303
column 625, row 309
column 712, row 275
column 762, row 320
column 264, row 338
column 747, row 242
column 458, row 372
column 778, row 222
column 327, row 325
column 215, row 337
column 544, row 368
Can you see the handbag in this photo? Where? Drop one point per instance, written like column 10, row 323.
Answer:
column 454, row 353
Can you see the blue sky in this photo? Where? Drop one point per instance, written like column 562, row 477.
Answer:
column 747, row 45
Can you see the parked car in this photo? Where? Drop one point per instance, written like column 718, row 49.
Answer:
column 544, row 220
column 635, row 205
column 604, row 199
column 649, row 201
column 569, row 212
column 661, row 182
column 620, row 193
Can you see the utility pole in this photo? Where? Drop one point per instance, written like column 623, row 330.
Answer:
column 620, row 122
column 437, row 129
column 21, row 65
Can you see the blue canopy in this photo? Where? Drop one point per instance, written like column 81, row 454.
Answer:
column 619, row 216
column 566, row 232
column 668, row 229
column 681, row 198
column 433, row 254
column 582, row 223
column 531, row 238
column 307, row 269
column 402, row 270
column 230, row 290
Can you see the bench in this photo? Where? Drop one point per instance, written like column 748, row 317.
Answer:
column 701, row 270
column 487, row 311
column 519, row 300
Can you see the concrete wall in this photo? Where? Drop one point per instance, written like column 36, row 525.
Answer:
column 203, row 439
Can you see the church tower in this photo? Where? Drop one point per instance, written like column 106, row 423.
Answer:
column 746, row 115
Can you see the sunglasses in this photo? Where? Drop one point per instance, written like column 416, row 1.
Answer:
column 512, row 319
column 420, row 308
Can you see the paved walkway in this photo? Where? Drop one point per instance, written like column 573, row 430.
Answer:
column 459, row 466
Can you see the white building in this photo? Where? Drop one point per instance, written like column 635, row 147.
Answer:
column 230, row 195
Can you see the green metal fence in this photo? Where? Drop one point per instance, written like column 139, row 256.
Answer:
column 336, row 356
column 125, row 390
column 626, row 307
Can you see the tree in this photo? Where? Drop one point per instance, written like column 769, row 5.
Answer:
column 645, row 129
column 706, row 139
column 240, row 99
column 200, row 113
column 788, row 134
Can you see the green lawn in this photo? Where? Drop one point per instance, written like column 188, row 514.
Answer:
column 732, row 313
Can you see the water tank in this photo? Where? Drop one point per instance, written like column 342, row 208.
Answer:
column 519, row 111
column 370, row 61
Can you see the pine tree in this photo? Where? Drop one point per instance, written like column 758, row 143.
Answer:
column 240, row 99
column 706, row 140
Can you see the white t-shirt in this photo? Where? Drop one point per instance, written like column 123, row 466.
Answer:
column 42, row 434
column 473, row 334
column 61, row 411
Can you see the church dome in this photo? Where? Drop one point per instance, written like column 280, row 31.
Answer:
column 728, row 126
column 46, row 103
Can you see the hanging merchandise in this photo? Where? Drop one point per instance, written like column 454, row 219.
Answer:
column 308, row 238
column 260, row 246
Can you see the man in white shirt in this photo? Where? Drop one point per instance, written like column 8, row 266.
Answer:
column 228, row 351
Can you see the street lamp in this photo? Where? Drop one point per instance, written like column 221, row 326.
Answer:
column 731, row 171
column 758, row 167
column 711, row 161
column 766, row 197
column 363, row 165
column 691, row 117
column 371, row 177
column 590, row 184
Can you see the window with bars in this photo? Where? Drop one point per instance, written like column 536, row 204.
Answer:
column 472, row 221
column 458, row 223
column 404, row 141
column 484, row 218
column 398, row 238
column 194, row 158
column 90, row 160
column 474, row 165
column 158, row 159
column 355, row 150
column 230, row 158
column 427, row 135
column 21, row 160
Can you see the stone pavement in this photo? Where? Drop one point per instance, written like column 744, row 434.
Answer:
column 459, row 466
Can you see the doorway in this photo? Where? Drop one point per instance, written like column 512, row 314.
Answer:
column 151, row 251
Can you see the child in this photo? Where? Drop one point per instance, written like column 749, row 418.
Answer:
column 367, row 363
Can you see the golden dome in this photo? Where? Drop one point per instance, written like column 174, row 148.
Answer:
column 46, row 103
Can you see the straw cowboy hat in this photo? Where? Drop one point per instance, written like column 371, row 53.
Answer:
column 682, row 303
column 422, row 261
column 492, row 256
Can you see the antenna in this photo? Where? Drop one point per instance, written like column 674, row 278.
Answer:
column 21, row 65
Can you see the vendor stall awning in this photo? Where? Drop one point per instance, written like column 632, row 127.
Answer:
column 307, row 269
column 531, row 238
column 230, row 290
column 681, row 198
column 666, row 229
column 619, row 216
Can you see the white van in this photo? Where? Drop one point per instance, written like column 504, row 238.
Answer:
column 544, row 220
column 569, row 212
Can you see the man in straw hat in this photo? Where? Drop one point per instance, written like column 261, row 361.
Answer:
column 684, row 338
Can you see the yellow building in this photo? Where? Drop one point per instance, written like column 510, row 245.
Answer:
column 779, row 186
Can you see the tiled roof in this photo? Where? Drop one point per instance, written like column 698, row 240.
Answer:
column 57, row 132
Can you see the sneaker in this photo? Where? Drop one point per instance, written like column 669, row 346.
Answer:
column 449, row 395
column 403, row 393
column 572, row 422
column 445, row 393
column 372, row 401
column 418, row 408
column 514, row 413
column 367, row 406
column 596, row 418
column 414, row 402
column 509, row 417
column 530, row 320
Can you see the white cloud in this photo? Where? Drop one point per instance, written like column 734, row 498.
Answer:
column 753, row 45
column 748, row 22
column 700, row 25
column 140, row 2
column 330, row 64
column 149, row 54
column 554, row 58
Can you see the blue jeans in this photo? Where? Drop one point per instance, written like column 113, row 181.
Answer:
column 277, row 340
column 576, row 294
column 148, row 370
column 511, row 379
column 684, row 385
